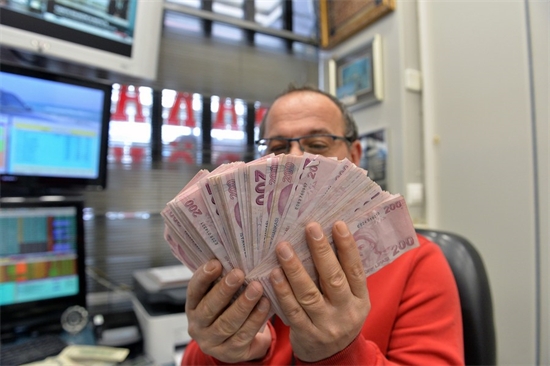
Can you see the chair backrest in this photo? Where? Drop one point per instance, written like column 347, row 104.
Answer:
column 475, row 296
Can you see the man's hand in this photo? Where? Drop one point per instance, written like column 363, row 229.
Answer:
column 227, row 331
column 322, row 321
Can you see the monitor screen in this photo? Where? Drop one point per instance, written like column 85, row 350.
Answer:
column 53, row 130
column 117, row 35
column 108, row 24
column 41, row 261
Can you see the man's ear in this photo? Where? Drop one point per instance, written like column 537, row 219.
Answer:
column 355, row 152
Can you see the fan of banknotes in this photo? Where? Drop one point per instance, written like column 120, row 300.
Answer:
column 240, row 211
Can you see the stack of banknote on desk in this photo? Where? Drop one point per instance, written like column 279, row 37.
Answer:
column 240, row 211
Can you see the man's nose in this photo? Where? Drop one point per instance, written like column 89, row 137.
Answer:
column 295, row 149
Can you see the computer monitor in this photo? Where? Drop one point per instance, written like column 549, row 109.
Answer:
column 115, row 35
column 53, row 131
column 42, row 268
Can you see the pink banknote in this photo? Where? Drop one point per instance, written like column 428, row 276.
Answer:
column 240, row 211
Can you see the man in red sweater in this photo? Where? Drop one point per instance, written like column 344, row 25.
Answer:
column 407, row 313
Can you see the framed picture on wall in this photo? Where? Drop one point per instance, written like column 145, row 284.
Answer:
column 340, row 19
column 375, row 156
column 356, row 77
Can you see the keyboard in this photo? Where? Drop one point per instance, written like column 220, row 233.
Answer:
column 31, row 350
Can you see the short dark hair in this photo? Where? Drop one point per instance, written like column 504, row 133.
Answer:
column 350, row 127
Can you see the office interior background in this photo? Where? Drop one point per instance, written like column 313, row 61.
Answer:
column 464, row 117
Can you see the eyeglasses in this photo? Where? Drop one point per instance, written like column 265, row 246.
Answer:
column 314, row 144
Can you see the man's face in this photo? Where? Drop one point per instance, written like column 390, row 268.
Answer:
column 304, row 113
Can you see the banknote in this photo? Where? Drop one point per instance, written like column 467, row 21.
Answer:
column 239, row 212
column 85, row 355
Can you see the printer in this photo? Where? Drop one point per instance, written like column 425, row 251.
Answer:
column 159, row 305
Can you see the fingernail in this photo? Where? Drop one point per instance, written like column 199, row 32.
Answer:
column 278, row 275
column 315, row 231
column 284, row 251
column 209, row 267
column 232, row 279
column 251, row 293
column 342, row 229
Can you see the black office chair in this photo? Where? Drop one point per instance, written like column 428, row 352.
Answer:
column 475, row 296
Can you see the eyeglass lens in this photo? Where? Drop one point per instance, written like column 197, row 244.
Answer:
column 310, row 144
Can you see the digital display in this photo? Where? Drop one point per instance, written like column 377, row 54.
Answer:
column 52, row 127
column 121, row 36
column 107, row 24
column 38, row 254
column 49, row 128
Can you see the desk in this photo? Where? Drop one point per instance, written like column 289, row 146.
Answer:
column 117, row 328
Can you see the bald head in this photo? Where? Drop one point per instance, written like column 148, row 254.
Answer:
column 308, row 112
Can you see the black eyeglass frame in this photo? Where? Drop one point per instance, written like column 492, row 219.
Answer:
column 264, row 142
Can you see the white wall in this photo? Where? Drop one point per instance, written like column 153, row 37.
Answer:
column 478, row 104
column 539, row 14
column 471, row 142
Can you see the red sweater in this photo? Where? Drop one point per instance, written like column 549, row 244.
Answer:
column 415, row 319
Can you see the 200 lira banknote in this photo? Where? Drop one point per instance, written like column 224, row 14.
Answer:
column 240, row 211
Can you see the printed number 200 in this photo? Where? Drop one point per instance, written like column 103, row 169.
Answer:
column 407, row 242
column 392, row 206
column 193, row 208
